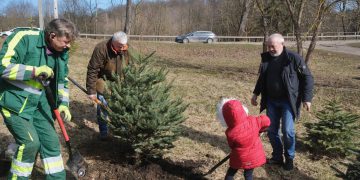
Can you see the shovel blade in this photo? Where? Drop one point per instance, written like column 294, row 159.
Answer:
column 5, row 167
column 77, row 164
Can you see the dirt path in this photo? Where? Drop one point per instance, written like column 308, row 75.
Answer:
column 338, row 46
column 333, row 46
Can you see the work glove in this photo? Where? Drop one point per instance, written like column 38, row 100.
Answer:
column 92, row 97
column 64, row 109
column 43, row 71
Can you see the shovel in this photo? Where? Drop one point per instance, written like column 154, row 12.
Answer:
column 97, row 101
column 217, row 165
column 5, row 164
column 76, row 162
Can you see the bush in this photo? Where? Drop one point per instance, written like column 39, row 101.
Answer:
column 335, row 132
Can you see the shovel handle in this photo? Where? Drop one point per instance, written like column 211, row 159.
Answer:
column 50, row 98
column 77, row 85
column 61, row 124
column 97, row 101
column 217, row 165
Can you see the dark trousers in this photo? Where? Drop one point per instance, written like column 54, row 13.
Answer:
column 248, row 174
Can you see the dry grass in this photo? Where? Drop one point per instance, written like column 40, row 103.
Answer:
column 203, row 73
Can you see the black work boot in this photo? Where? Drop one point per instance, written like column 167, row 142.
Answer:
column 289, row 165
column 273, row 161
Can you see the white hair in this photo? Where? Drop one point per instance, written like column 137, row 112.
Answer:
column 219, row 112
column 120, row 37
column 276, row 37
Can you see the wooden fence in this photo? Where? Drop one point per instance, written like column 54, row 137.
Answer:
column 288, row 37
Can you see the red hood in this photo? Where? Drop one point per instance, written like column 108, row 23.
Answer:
column 233, row 113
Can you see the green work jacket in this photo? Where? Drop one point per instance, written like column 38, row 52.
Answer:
column 20, row 92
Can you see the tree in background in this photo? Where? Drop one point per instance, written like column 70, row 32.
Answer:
column 128, row 14
column 174, row 17
column 17, row 14
column 268, row 12
column 335, row 133
column 296, row 17
column 144, row 114
column 323, row 8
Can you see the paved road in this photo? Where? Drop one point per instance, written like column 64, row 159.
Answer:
column 335, row 46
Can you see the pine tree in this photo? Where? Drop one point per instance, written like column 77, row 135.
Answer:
column 353, row 166
column 335, row 132
column 143, row 112
column 353, row 170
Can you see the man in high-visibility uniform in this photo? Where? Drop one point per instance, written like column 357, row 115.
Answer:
column 25, row 56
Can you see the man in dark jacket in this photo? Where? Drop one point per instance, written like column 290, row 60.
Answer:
column 284, row 82
column 108, row 58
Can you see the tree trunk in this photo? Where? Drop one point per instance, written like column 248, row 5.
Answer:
column 264, row 22
column 322, row 9
column 244, row 17
column 296, row 19
column 128, row 17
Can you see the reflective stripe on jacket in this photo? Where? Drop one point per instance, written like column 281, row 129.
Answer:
column 21, row 53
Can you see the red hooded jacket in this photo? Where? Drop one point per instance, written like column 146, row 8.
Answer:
column 243, row 136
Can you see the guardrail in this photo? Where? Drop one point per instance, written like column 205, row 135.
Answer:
column 355, row 36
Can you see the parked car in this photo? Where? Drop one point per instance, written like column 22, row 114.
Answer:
column 9, row 32
column 197, row 36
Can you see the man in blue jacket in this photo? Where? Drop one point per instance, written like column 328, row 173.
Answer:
column 284, row 83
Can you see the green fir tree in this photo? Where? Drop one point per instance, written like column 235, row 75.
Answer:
column 334, row 133
column 353, row 168
column 143, row 112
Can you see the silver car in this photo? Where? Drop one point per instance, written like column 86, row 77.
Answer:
column 197, row 36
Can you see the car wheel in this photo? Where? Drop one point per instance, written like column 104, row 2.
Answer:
column 209, row 40
column 186, row 41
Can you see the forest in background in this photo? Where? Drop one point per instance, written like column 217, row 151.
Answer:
column 174, row 17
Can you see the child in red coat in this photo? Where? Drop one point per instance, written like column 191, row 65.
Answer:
column 243, row 136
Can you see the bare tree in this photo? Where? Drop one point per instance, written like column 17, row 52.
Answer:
column 296, row 17
column 247, row 4
column 128, row 17
column 323, row 7
column 269, row 13
column 342, row 8
column 19, row 13
column 264, row 21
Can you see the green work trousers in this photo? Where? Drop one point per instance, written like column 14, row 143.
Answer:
column 35, row 135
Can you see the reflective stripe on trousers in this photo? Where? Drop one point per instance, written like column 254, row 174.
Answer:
column 53, row 165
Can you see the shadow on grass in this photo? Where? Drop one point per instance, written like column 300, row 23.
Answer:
column 116, row 153
column 184, row 170
column 277, row 172
column 204, row 137
column 206, row 67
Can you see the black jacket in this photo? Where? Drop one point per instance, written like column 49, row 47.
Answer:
column 296, row 76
